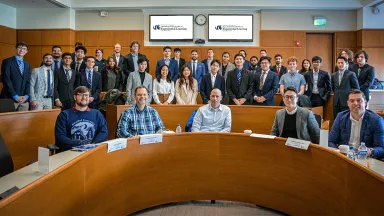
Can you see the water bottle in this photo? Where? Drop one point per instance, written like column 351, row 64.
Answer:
column 178, row 129
column 126, row 102
column 362, row 152
column 351, row 153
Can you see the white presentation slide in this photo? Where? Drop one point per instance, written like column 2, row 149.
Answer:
column 230, row 27
column 173, row 27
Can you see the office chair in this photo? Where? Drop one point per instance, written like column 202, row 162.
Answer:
column 7, row 105
column 6, row 163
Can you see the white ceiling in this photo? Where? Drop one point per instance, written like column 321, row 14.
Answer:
column 195, row 4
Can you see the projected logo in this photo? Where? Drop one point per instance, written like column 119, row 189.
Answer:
column 169, row 27
column 229, row 28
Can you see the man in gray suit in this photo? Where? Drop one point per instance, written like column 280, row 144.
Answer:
column 139, row 78
column 42, row 85
column 294, row 121
column 343, row 81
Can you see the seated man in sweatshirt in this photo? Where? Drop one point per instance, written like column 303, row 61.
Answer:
column 80, row 125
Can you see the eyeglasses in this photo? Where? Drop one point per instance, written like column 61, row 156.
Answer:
column 22, row 48
column 356, row 100
column 289, row 97
column 83, row 95
column 264, row 63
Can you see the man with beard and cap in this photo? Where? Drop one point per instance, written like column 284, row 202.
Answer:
column 42, row 85
column 80, row 125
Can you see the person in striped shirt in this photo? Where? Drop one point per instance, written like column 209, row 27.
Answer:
column 139, row 119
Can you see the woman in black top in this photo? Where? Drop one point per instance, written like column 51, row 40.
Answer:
column 111, row 76
column 305, row 66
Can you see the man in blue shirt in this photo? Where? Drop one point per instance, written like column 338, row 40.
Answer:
column 80, row 125
column 139, row 119
column 15, row 74
column 357, row 125
column 213, row 117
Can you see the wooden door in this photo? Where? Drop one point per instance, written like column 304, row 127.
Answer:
column 319, row 44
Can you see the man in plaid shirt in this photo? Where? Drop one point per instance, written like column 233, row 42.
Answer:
column 139, row 119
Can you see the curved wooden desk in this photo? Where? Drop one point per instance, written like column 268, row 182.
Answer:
column 203, row 166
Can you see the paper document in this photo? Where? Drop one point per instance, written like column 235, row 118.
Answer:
column 263, row 136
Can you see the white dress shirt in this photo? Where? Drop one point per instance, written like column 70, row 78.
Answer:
column 354, row 139
column 163, row 87
column 209, row 119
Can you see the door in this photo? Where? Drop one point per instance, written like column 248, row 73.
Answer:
column 319, row 44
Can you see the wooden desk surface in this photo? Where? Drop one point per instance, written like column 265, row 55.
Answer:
column 203, row 166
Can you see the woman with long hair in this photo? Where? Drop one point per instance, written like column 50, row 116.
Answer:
column 186, row 87
column 163, row 87
column 305, row 66
column 111, row 76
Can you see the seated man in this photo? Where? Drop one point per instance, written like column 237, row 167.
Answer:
column 80, row 125
column 294, row 121
column 139, row 119
column 358, row 125
column 213, row 117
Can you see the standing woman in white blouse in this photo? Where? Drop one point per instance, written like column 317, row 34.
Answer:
column 186, row 87
column 163, row 87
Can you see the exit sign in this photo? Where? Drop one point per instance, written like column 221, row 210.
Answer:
column 319, row 21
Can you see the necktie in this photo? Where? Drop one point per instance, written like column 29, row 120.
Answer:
column 89, row 79
column 262, row 80
column 67, row 74
column 340, row 77
column 358, row 71
column 238, row 77
column 193, row 69
column 21, row 67
column 213, row 81
column 78, row 66
column 56, row 64
column 49, row 90
column 278, row 71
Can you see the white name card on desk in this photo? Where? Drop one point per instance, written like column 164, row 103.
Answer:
column 151, row 138
column 43, row 160
column 296, row 143
column 262, row 136
column 116, row 144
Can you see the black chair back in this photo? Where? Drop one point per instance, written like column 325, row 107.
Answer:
column 7, row 105
column 318, row 119
column 6, row 163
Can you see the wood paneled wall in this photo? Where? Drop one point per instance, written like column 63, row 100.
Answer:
column 7, row 44
column 40, row 41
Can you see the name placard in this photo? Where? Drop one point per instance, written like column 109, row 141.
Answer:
column 116, row 144
column 43, row 160
column 296, row 143
column 151, row 138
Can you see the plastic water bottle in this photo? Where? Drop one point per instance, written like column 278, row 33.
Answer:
column 362, row 152
column 351, row 153
column 178, row 129
column 126, row 102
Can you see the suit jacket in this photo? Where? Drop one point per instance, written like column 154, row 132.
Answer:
column 230, row 67
column 270, row 87
column 323, row 84
column 351, row 66
column 199, row 72
column 95, row 87
column 82, row 66
column 244, row 90
column 120, row 64
column 134, row 80
column 104, row 80
column 186, row 95
column 53, row 64
column 371, row 132
column 39, row 84
column 206, row 86
column 307, row 127
column 246, row 64
column 283, row 70
column 14, row 83
column 129, row 66
column 348, row 82
column 181, row 63
column 64, row 90
column 173, row 68
column 207, row 67
column 366, row 78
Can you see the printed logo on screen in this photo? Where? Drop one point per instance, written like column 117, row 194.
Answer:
column 230, row 28
column 83, row 130
column 169, row 27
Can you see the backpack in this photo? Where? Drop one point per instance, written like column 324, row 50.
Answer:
column 376, row 84
column 188, row 126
